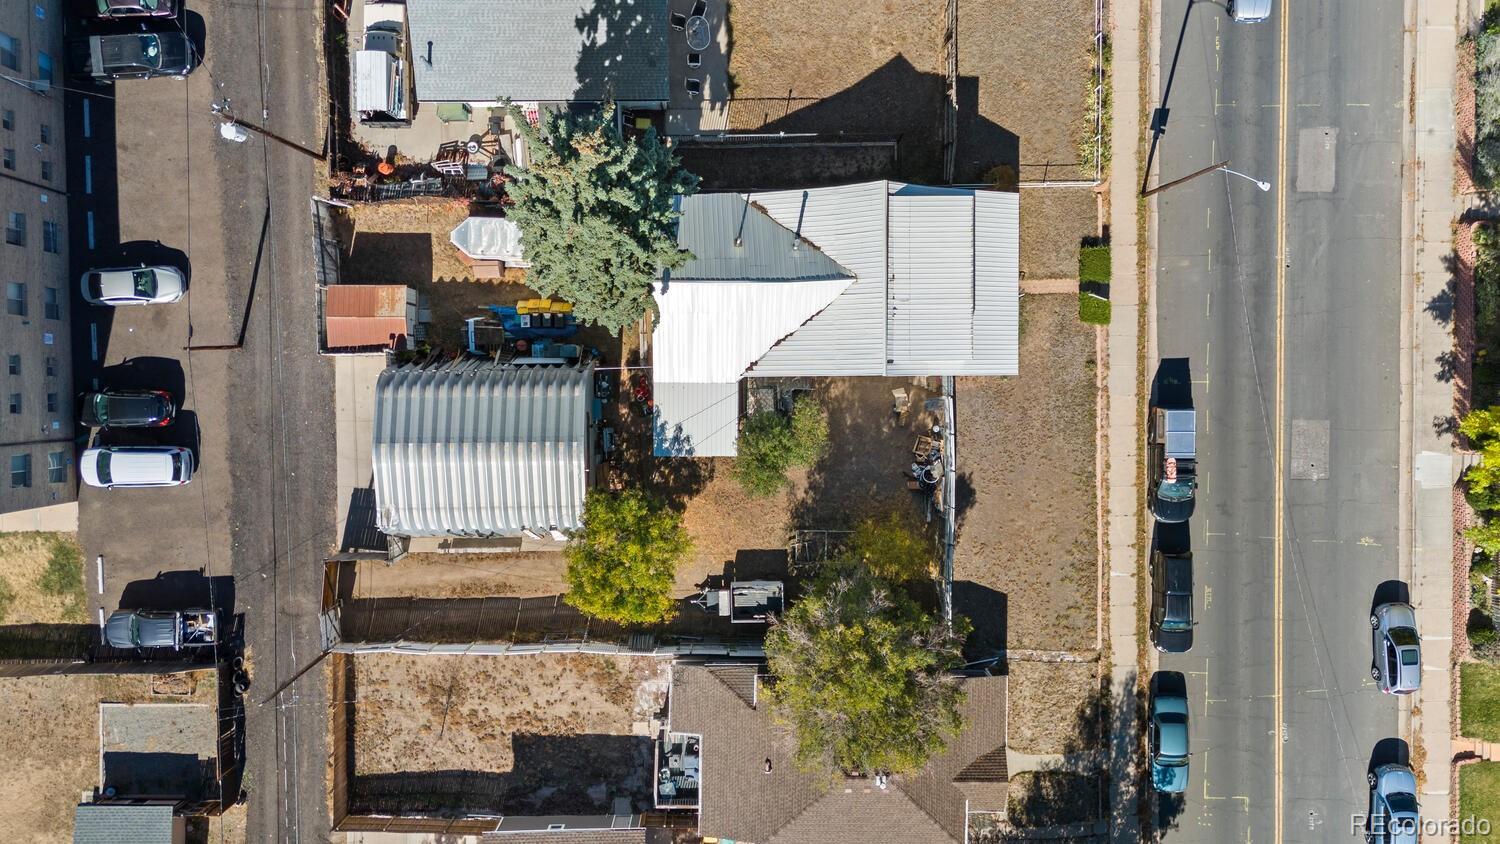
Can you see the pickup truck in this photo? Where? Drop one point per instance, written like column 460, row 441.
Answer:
column 1172, row 444
column 175, row 629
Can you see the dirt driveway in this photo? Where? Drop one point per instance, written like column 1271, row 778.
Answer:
column 1026, row 566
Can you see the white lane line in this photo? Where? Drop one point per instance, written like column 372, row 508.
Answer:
column 88, row 127
column 93, row 341
column 99, row 561
column 88, row 174
column 90, row 218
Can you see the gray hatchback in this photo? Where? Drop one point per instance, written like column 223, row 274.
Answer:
column 1396, row 658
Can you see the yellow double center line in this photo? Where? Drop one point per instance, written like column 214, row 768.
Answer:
column 1279, row 494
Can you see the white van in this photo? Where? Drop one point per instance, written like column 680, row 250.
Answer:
column 1249, row 11
column 380, row 68
column 136, row 466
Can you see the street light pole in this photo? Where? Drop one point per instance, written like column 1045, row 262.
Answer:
column 1265, row 186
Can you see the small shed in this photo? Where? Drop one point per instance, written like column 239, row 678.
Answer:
column 489, row 245
column 368, row 317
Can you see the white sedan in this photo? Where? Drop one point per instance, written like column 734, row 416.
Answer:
column 133, row 286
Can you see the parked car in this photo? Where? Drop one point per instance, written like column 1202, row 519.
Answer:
column 1249, row 11
column 1396, row 649
column 135, row 55
column 1167, row 736
column 1172, row 602
column 1393, row 815
column 136, row 466
column 175, row 629
column 1172, row 460
column 112, row 9
column 127, row 409
column 141, row 285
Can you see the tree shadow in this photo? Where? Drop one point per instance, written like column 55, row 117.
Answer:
column 621, row 52
column 986, row 610
column 1440, row 306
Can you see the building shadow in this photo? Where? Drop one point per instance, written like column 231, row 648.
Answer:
column 146, row 373
column 371, row 255
column 360, row 530
column 147, row 774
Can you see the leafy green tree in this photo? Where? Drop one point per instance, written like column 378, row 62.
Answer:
column 893, row 548
column 770, row 444
column 862, row 675
column 623, row 564
column 1485, row 536
column 595, row 212
column 1482, row 428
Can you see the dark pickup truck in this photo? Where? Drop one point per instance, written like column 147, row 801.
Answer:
column 175, row 629
column 139, row 55
column 114, row 9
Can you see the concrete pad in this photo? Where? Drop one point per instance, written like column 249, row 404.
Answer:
column 61, row 518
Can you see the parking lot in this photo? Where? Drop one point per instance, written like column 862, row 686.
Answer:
column 152, row 182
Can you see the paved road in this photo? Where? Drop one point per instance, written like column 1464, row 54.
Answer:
column 258, row 516
column 1217, row 308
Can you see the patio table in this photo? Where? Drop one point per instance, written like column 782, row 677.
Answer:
column 698, row 32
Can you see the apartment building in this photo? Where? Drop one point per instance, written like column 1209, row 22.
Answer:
column 36, row 387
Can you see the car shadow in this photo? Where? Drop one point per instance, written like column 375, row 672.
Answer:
column 1171, row 538
column 1389, row 751
column 1390, row 592
column 178, row 590
column 1173, row 384
column 1168, row 683
column 146, row 373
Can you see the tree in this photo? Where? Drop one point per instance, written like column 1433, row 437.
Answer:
column 862, row 675
column 1485, row 536
column 1482, row 428
column 893, row 548
column 770, row 444
column 595, row 212
column 623, row 564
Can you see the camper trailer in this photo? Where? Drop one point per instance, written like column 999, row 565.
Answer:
column 381, row 71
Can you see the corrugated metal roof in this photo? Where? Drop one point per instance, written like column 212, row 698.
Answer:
column 997, row 284
column 696, row 420
column 930, row 293
column 367, row 300
column 531, row 50
column 113, row 823
column 731, row 240
column 363, row 332
column 476, row 449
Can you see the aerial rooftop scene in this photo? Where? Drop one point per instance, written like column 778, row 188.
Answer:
column 750, row 422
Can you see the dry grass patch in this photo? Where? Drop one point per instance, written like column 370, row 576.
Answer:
column 1026, row 457
column 526, row 574
column 1052, row 707
column 41, row 578
column 1054, row 221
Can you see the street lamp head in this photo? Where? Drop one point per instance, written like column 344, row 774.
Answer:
column 1263, row 185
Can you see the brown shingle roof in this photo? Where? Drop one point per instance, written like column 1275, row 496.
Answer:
column 742, row 802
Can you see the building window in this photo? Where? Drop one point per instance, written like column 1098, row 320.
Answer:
column 57, row 468
column 15, row 228
column 8, row 119
column 52, row 303
column 51, row 367
column 9, row 159
column 20, row 470
column 10, row 52
column 52, row 402
column 46, row 133
column 46, row 171
column 15, row 298
column 15, row 403
column 50, row 237
column 43, row 72
column 13, row 365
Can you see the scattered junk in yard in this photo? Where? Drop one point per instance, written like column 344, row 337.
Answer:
column 927, row 462
column 640, row 395
column 744, row 601
column 679, row 763
column 175, row 629
column 527, row 333
column 474, row 169
column 382, row 83
column 489, row 245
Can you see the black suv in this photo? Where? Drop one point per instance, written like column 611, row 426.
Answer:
column 136, row 55
column 127, row 409
column 1172, row 602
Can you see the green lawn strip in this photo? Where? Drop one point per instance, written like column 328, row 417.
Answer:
column 1092, row 309
column 1479, row 797
column 1479, row 700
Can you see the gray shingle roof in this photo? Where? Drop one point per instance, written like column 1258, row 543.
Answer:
column 741, row 801
column 535, row 50
column 587, row 836
column 112, row 823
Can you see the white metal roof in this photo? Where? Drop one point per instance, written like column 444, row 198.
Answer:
column 373, row 72
column 696, row 420
column 476, row 449
column 489, row 238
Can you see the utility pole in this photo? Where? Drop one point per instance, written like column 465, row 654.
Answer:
column 1175, row 182
column 225, row 113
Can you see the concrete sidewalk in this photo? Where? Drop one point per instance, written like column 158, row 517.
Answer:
column 354, row 413
column 1428, row 394
column 1122, row 507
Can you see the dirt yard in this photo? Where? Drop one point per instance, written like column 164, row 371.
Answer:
column 868, row 69
column 406, row 242
column 869, row 448
column 527, row 574
column 47, row 769
column 41, row 578
column 1024, row 72
column 1027, row 535
column 1053, row 707
column 546, row 734
column 1054, row 222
